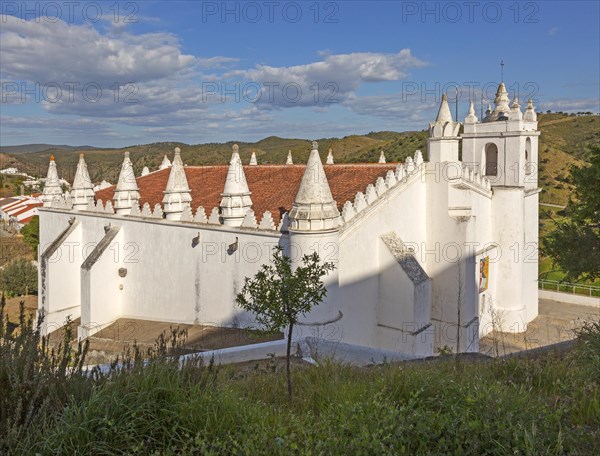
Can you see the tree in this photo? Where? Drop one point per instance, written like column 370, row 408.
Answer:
column 31, row 233
column 19, row 277
column 279, row 295
column 575, row 243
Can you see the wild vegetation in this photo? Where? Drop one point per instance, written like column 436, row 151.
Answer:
column 574, row 243
column 546, row 405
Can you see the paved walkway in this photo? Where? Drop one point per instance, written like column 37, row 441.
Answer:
column 556, row 322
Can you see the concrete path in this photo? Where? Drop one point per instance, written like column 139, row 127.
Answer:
column 556, row 322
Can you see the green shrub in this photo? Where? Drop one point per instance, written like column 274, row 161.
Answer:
column 19, row 277
column 36, row 380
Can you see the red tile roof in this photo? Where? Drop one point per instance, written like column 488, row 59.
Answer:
column 26, row 208
column 273, row 187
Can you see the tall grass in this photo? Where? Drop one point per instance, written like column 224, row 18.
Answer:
column 151, row 405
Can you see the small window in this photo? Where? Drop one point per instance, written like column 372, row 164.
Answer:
column 528, row 164
column 491, row 160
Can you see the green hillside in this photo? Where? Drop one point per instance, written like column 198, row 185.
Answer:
column 562, row 144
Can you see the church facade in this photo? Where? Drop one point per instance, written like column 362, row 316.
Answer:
column 428, row 253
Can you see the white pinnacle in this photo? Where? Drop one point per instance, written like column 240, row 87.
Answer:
column 444, row 114
column 330, row 158
column 314, row 208
column 236, row 201
column 165, row 163
column 127, row 192
column 177, row 193
column 471, row 118
column 253, row 160
column 82, row 191
column 289, row 160
column 52, row 189
column 501, row 102
column 530, row 115
column 382, row 157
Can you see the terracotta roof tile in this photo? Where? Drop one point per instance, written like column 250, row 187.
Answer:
column 273, row 187
column 25, row 208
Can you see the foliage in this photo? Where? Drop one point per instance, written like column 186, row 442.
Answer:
column 589, row 336
column 31, row 233
column 575, row 243
column 278, row 295
column 19, row 277
column 36, row 379
column 50, row 405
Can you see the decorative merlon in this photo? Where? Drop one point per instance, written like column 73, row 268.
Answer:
column 146, row 210
column 177, row 195
column 157, row 213
column 126, row 193
column 214, row 218
column 382, row 157
column 418, row 158
column 249, row 220
column 374, row 192
column 145, row 171
column 187, row 215
column 200, row 216
column 267, row 222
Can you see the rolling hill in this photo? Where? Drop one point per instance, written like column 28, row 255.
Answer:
column 562, row 144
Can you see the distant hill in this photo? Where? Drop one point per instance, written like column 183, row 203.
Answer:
column 28, row 148
column 562, row 144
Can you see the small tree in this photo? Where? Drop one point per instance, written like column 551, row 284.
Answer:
column 31, row 233
column 279, row 295
column 575, row 243
column 19, row 277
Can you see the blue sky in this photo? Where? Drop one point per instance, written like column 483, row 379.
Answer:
column 93, row 73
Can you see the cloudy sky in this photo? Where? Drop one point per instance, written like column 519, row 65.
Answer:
column 118, row 74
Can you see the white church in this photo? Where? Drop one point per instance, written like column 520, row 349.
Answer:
column 429, row 253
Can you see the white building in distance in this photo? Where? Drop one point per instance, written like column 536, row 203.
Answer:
column 425, row 250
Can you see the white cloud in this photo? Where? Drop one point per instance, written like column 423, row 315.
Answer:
column 571, row 105
column 330, row 80
column 42, row 51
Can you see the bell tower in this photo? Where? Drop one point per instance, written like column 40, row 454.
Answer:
column 504, row 148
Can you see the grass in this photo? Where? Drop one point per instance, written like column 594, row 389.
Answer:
column 546, row 405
